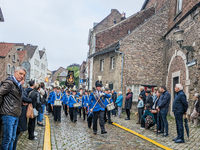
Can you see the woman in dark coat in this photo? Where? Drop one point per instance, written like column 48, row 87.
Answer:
column 128, row 103
column 22, row 123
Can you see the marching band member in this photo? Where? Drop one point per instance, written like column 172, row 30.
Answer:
column 50, row 101
column 73, row 99
column 83, row 104
column 87, row 107
column 98, row 108
column 107, row 101
column 56, row 107
column 65, row 101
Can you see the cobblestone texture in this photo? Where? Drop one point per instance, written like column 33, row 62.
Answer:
column 25, row 144
column 68, row 135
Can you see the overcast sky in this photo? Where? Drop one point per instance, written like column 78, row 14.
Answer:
column 61, row 26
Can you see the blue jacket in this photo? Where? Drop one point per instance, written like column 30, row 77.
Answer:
column 65, row 99
column 119, row 100
column 49, row 98
column 108, row 101
column 72, row 100
column 140, row 104
column 86, row 100
column 164, row 100
column 93, row 99
column 54, row 97
column 180, row 103
column 143, row 95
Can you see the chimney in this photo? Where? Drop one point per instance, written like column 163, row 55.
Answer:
column 123, row 16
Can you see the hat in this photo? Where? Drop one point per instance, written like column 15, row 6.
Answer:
column 147, row 91
column 74, row 88
column 99, row 82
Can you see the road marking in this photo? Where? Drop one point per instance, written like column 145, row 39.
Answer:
column 47, row 135
column 143, row 137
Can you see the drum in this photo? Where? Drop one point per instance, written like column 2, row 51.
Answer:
column 110, row 106
column 57, row 102
column 76, row 105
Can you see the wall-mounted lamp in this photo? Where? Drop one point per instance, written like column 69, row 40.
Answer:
column 178, row 34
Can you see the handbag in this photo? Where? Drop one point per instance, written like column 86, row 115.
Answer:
column 35, row 112
column 29, row 111
column 148, row 121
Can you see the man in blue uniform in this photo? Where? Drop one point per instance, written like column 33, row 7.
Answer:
column 107, row 101
column 87, row 108
column 56, row 103
column 49, row 100
column 98, row 108
column 73, row 99
column 65, row 102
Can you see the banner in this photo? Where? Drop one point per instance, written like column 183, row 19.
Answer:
column 70, row 81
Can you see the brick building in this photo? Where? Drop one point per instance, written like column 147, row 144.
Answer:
column 57, row 72
column 82, row 75
column 149, row 52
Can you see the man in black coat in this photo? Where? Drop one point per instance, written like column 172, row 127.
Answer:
column 114, row 98
column 142, row 92
column 128, row 103
column 149, row 98
column 180, row 106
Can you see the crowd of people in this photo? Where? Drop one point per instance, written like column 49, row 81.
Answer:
column 100, row 103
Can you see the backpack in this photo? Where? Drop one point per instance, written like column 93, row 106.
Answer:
column 149, row 120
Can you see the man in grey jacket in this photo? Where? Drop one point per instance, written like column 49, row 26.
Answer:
column 10, row 106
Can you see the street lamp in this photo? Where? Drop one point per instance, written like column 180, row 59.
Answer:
column 179, row 39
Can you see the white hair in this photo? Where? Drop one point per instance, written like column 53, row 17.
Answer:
column 142, row 87
column 179, row 86
column 120, row 92
column 21, row 68
column 196, row 94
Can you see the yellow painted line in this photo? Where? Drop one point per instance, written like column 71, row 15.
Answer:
column 143, row 137
column 47, row 135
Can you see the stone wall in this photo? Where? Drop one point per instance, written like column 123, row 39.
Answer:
column 120, row 30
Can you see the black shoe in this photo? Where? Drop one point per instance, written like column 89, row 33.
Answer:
column 59, row 121
column 75, row 121
column 40, row 125
column 103, row 132
column 165, row 135
column 179, row 141
column 89, row 127
column 110, row 122
column 160, row 132
column 174, row 139
column 94, row 132
column 127, row 119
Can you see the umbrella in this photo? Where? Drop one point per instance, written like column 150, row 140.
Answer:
column 186, row 127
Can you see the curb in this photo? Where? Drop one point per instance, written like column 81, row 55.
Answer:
column 143, row 137
column 47, row 135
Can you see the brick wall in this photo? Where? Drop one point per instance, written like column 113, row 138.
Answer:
column 60, row 70
column 113, row 34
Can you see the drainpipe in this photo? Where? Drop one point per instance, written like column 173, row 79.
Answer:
column 122, row 63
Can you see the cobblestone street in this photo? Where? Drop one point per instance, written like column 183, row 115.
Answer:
column 68, row 135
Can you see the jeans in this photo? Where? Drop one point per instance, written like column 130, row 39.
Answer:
column 41, row 114
column 163, row 113
column 15, row 142
column 113, row 112
column 119, row 111
column 179, row 125
column 9, row 131
column 140, row 113
column 160, row 125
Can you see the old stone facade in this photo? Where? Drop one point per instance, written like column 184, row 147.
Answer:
column 82, row 75
column 57, row 72
column 9, row 60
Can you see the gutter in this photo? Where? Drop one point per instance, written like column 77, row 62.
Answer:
column 116, row 48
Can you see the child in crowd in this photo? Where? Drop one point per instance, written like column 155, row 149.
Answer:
column 140, row 107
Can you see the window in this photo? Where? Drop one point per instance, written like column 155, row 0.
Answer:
column 110, row 86
column 179, row 6
column 13, row 58
column 114, row 21
column 13, row 70
column 136, row 91
column 8, row 69
column 112, row 62
column 129, row 31
column 101, row 64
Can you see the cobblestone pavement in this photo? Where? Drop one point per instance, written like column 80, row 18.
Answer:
column 192, row 143
column 25, row 144
column 68, row 135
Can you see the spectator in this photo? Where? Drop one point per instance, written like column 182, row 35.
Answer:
column 43, row 96
column 114, row 98
column 196, row 109
column 155, row 94
column 142, row 92
column 128, row 103
column 140, row 107
column 180, row 106
column 162, row 107
column 35, row 96
column 31, row 84
column 22, row 125
column 119, row 102
column 10, row 106
column 154, row 111
column 149, row 98
column 148, row 119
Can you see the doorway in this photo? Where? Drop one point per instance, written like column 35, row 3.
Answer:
column 175, row 81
